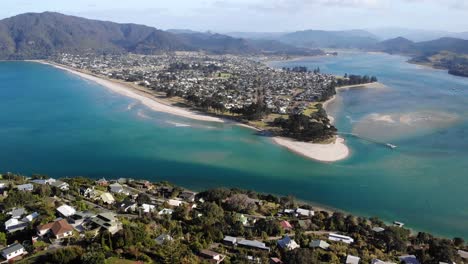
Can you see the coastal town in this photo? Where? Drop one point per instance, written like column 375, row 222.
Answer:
column 283, row 102
column 83, row 220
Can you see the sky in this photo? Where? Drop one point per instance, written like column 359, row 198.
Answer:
column 261, row 15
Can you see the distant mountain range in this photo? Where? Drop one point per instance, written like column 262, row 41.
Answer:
column 405, row 46
column 39, row 35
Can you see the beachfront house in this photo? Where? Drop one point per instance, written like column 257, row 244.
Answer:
column 304, row 212
column 340, row 238
column 13, row 251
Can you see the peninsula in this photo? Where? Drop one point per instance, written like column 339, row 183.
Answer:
column 282, row 103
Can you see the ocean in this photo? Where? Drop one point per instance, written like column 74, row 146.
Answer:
column 55, row 123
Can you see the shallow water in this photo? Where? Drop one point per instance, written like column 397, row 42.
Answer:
column 55, row 123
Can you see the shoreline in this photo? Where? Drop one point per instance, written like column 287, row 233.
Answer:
column 319, row 152
column 142, row 97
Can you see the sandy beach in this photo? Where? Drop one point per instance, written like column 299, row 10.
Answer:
column 144, row 98
column 320, row 152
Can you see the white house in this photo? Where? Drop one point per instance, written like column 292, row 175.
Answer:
column 148, row 208
column 340, row 238
column 13, row 251
column 174, row 203
column 166, row 211
column 107, row 198
column 116, row 188
column 61, row 185
column 66, row 210
column 25, row 187
column 352, row 259
column 304, row 212
column 13, row 225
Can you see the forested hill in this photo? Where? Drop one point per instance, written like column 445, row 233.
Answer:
column 39, row 35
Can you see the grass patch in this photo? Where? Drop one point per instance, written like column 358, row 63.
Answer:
column 311, row 109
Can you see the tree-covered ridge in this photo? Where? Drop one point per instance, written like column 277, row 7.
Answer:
column 199, row 225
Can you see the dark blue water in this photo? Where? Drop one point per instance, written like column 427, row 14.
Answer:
column 54, row 123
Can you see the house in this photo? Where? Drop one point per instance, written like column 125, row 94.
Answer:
column 107, row 221
column 378, row 229
column 174, row 203
column 13, row 251
column 66, row 210
column 463, row 254
column 87, row 192
column 25, row 187
column 352, row 259
column 253, row 244
column 13, row 225
column 126, row 206
column 211, row 256
column 148, row 208
column 378, row 261
column 79, row 218
column 166, row 211
column 187, row 196
column 409, row 259
column 107, row 198
column 243, row 219
column 340, row 238
column 17, row 213
column 161, row 239
column 275, row 261
column 319, row 244
column 116, row 188
column 289, row 212
column 30, row 217
column 58, row 229
column 304, row 212
column 286, row 225
column 102, row 182
column 229, row 240
column 287, row 243
column 61, row 185
column 43, row 181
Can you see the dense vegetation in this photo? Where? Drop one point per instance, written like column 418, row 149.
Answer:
column 206, row 225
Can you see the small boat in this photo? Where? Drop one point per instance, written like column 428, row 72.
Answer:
column 398, row 224
column 391, row 146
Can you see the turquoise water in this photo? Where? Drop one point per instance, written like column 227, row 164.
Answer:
column 55, row 123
